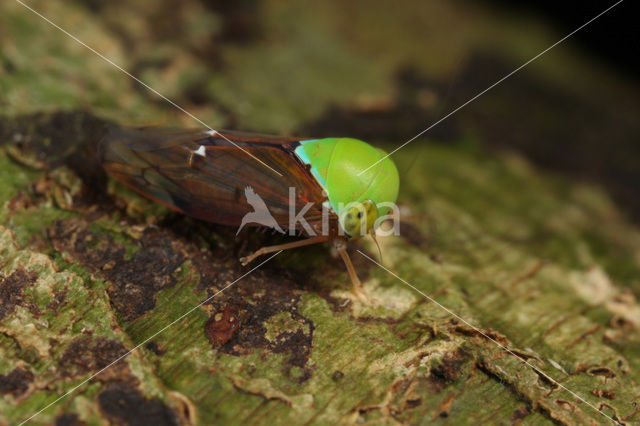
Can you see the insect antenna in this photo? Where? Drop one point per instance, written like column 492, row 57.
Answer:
column 410, row 166
column 375, row 240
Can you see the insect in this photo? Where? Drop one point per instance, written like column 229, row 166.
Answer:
column 201, row 173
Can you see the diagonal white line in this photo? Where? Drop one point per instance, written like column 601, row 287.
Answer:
column 151, row 89
column 148, row 338
column 493, row 85
column 493, row 340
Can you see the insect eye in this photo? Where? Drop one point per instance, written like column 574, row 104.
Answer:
column 359, row 215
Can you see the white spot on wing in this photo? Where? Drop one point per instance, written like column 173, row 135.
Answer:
column 212, row 132
column 200, row 151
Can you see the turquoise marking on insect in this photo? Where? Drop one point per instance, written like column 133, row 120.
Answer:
column 302, row 154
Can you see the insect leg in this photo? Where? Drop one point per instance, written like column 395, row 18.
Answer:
column 295, row 244
column 356, row 289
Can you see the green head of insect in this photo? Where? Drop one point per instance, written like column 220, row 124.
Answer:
column 360, row 180
column 358, row 219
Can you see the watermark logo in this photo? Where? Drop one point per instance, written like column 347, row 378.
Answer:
column 356, row 218
column 260, row 214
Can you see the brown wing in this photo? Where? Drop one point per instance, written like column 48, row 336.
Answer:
column 202, row 174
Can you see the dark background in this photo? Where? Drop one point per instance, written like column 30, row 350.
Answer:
column 614, row 37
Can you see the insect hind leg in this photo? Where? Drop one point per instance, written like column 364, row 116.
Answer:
column 295, row 244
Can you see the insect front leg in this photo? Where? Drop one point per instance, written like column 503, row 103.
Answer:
column 356, row 289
